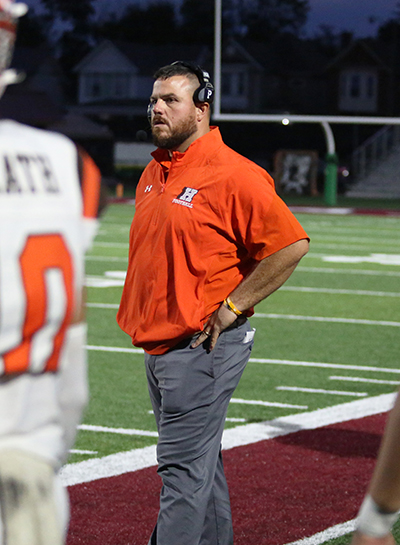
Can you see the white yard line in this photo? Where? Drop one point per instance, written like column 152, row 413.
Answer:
column 334, row 291
column 318, row 228
column 354, row 247
column 124, row 462
column 362, row 272
column 367, row 380
column 267, row 403
column 103, row 282
column 115, row 349
column 120, row 431
column 326, row 319
column 271, row 316
column 79, row 451
column 323, row 365
column 268, row 361
column 320, row 391
column 358, row 240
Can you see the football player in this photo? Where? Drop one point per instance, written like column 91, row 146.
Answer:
column 49, row 202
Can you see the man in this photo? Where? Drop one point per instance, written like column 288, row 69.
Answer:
column 209, row 240
column 45, row 228
column 381, row 505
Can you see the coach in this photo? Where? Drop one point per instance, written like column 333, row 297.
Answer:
column 209, row 240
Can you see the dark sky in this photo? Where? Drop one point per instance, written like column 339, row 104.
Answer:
column 351, row 15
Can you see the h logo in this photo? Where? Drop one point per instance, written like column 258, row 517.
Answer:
column 187, row 194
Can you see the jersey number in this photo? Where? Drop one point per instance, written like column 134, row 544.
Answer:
column 47, row 277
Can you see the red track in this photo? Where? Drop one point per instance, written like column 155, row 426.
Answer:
column 282, row 489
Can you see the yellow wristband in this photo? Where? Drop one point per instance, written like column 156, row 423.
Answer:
column 229, row 305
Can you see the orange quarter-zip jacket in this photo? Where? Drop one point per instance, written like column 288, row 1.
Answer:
column 203, row 220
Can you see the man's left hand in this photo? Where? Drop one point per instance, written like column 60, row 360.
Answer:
column 219, row 320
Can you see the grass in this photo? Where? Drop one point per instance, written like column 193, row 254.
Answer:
column 369, row 295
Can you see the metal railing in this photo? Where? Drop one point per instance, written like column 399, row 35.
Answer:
column 374, row 150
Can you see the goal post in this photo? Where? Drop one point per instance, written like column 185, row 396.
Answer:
column 330, row 183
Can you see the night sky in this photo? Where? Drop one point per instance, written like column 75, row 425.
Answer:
column 349, row 15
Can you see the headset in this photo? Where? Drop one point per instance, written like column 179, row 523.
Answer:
column 204, row 93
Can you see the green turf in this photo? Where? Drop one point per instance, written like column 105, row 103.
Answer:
column 119, row 397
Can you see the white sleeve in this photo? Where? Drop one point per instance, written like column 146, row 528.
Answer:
column 91, row 226
column 73, row 383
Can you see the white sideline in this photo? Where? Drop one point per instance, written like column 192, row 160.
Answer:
column 330, row 533
column 124, row 462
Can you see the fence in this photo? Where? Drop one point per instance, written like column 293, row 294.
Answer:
column 374, row 150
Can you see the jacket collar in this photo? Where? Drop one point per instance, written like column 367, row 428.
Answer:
column 201, row 148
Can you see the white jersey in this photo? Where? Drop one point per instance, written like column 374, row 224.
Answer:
column 43, row 238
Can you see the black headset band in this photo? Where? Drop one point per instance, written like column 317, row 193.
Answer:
column 205, row 93
column 195, row 69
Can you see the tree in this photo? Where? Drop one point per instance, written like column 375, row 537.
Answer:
column 72, row 22
column 264, row 18
column 155, row 24
column 77, row 13
column 197, row 20
column 256, row 19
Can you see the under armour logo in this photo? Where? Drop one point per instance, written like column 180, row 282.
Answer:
column 148, row 188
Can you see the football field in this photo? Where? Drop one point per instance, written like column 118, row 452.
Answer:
column 326, row 343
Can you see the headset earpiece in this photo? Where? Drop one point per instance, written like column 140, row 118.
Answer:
column 204, row 93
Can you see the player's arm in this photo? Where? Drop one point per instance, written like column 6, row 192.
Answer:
column 94, row 194
column 381, row 505
column 269, row 275
column 73, row 388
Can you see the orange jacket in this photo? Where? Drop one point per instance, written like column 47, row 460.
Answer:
column 203, row 219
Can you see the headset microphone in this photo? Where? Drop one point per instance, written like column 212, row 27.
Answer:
column 149, row 112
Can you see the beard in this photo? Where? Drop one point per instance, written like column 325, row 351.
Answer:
column 177, row 135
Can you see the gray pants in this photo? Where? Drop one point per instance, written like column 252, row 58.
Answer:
column 190, row 390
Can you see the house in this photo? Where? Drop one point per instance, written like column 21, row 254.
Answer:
column 39, row 100
column 116, row 78
column 360, row 82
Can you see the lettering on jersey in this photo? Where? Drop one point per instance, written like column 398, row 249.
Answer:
column 186, row 196
column 148, row 188
column 21, row 173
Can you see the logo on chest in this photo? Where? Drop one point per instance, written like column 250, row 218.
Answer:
column 186, row 196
